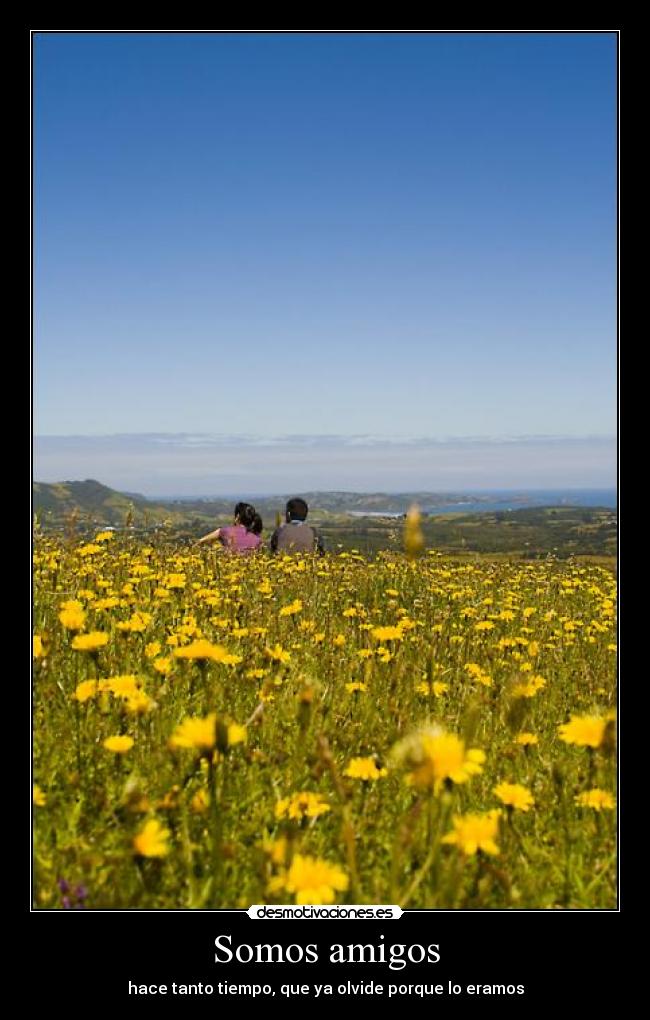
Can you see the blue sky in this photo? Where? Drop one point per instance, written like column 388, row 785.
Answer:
column 270, row 235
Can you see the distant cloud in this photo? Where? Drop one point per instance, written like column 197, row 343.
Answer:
column 195, row 464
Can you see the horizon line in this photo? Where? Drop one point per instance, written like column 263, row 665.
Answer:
column 371, row 437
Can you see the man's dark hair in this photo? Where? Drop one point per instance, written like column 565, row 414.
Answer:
column 297, row 509
column 257, row 527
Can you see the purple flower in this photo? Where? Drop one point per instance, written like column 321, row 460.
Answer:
column 81, row 892
column 67, row 905
column 63, row 885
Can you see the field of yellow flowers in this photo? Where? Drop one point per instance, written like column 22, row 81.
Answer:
column 213, row 730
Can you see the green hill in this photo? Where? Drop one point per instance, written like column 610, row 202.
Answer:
column 93, row 504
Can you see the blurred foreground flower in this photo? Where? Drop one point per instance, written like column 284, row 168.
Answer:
column 433, row 756
column 413, row 537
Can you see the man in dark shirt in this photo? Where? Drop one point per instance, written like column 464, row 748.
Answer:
column 295, row 536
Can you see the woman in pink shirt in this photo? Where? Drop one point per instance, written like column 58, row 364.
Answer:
column 242, row 536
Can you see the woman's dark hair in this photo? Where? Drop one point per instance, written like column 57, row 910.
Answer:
column 245, row 514
column 257, row 525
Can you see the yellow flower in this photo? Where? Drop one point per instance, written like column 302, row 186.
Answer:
column 537, row 682
column 152, row 840
column 276, row 850
column 314, row 881
column 388, row 633
column 139, row 702
column 301, row 805
column 196, row 732
column 104, row 536
column 515, row 796
column 484, row 625
column 152, row 649
column 72, row 615
column 120, row 686
column 339, row 640
column 200, row 802
column 478, row 674
column 203, row 734
column 85, row 690
column 37, row 647
column 526, row 739
column 475, row 832
column 203, row 649
column 355, row 686
column 119, row 744
column 292, row 609
column 530, row 689
column 90, row 642
column 437, row 687
column 597, row 799
column 174, row 581
column 38, row 797
column 163, row 665
column 278, row 654
column 236, row 734
column 583, row 730
column 89, row 550
column 365, row 769
column 137, row 623
column 433, row 756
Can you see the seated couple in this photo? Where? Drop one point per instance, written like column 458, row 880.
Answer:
column 245, row 535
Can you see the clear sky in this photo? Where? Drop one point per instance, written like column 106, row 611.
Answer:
column 278, row 234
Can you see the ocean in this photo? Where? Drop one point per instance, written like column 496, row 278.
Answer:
column 503, row 500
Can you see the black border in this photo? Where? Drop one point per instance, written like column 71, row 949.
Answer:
column 540, row 953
